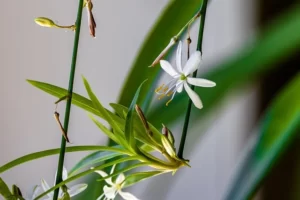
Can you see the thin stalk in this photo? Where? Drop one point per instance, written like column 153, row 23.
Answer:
column 68, row 105
column 188, row 111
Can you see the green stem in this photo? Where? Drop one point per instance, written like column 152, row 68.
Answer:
column 68, row 105
column 188, row 111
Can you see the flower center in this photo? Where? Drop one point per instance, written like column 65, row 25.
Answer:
column 182, row 77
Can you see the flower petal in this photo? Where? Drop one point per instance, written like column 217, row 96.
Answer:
column 194, row 96
column 127, row 196
column 112, row 169
column 100, row 197
column 110, row 192
column 200, row 82
column 192, row 64
column 76, row 189
column 35, row 191
column 167, row 67
column 46, row 187
column 120, row 179
column 64, row 174
column 178, row 57
column 104, row 174
column 179, row 86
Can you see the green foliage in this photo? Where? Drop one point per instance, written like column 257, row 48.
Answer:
column 50, row 152
column 5, row 192
column 140, row 176
column 129, row 124
column 279, row 127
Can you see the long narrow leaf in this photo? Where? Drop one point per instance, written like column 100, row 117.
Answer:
column 4, row 190
column 280, row 126
column 100, row 108
column 50, row 152
column 129, row 126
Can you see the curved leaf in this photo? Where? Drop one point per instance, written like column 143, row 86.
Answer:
column 4, row 190
column 279, row 127
column 50, row 152
column 129, row 129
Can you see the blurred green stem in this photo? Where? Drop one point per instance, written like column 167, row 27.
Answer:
column 188, row 111
column 68, row 105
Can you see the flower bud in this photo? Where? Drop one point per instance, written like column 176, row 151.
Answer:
column 165, row 51
column 168, row 146
column 168, row 134
column 45, row 22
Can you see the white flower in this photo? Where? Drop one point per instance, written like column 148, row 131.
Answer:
column 74, row 190
column 114, row 188
column 35, row 192
column 181, row 78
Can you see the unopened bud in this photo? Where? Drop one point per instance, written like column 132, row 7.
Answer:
column 165, row 51
column 143, row 119
column 168, row 146
column 45, row 22
column 168, row 134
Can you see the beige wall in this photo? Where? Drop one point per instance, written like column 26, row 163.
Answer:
column 28, row 51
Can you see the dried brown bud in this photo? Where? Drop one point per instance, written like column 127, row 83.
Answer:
column 165, row 51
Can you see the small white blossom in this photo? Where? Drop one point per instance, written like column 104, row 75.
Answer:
column 114, row 188
column 35, row 192
column 74, row 190
column 181, row 78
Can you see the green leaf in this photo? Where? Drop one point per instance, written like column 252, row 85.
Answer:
column 87, row 105
column 77, row 100
column 94, row 158
column 50, row 152
column 129, row 126
column 118, row 138
column 134, row 178
column 101, row 109
column 120, row 110
column 279, row 41
column 4, row 191
column 280, row 126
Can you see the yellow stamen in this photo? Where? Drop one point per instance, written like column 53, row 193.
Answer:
column 159, row 88
column 161, row 96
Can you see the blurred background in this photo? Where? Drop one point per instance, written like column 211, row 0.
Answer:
column 31, row 52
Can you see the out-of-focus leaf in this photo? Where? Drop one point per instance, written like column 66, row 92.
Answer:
column 50, row 152
column 134, row 178
column 279, row 41
column 5, row 192
column 280, row 125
